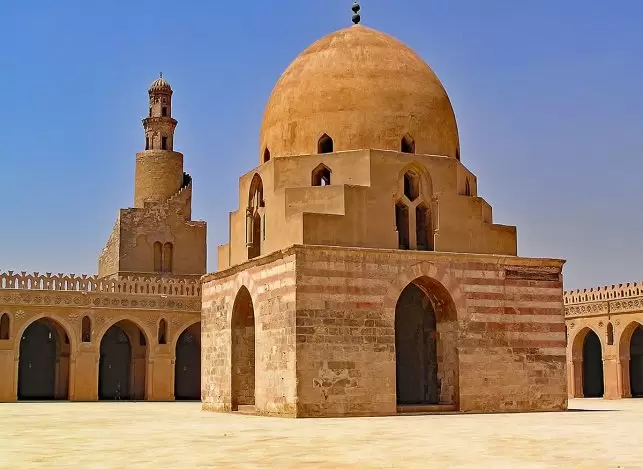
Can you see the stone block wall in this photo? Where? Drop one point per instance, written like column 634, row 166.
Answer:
column 270, row 284
column 509, row 350
column 500, row 331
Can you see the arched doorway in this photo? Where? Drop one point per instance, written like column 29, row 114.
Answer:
column 187, row 366
column 416, row 349
column 123, row 363
column 425, row 345
column 592, row 366
column 243, row 350
column 43, row 363
column 636, row 362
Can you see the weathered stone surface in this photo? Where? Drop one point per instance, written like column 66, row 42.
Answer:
column 325, row 331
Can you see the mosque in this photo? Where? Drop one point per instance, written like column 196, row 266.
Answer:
column 363, row 274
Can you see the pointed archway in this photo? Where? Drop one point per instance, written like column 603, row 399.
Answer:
column 123, row 363
column 243, row 351
column 636, row 362
column 43, row 362
column 593, row 385
column 187, row 366
column 425, row 345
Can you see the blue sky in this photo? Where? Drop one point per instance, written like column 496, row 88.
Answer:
column 548, row 95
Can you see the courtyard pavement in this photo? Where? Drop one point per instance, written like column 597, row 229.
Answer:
column 595, row 434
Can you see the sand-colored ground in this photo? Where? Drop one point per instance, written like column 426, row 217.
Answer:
column 605, row 434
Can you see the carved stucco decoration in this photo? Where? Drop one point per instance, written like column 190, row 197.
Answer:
column 105, row 301
column 591, row 309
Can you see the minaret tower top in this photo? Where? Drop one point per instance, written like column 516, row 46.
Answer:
column 159, row 125
column 159, row 169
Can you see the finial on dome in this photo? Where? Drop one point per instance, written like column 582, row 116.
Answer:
column 356, row 16
column 160, row 74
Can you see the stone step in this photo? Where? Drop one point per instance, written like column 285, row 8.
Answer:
column 426, row 408
column 247, row 410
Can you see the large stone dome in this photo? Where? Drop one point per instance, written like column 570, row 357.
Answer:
column 364, row 89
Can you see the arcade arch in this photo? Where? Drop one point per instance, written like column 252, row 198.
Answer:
column 43, row 361
column 187, row 365
column 123, row 362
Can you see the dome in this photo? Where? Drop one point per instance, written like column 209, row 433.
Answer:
column 364, row 89
column 160, row 84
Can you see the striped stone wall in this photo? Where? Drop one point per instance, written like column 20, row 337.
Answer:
column 501, row 332
column 271, row 284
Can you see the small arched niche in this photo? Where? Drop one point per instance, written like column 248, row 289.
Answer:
column 325, row 144
column 407, row 144
column 162, row 332
column 266, row 155
column 86, row 327
column 321, row 176
column 610, row 334
column 4, row 326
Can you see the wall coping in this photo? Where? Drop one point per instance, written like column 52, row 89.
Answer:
column 422, row 256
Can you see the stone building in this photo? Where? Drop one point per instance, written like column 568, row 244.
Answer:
column 364, row 274
column 605, row 341
column 133, row 331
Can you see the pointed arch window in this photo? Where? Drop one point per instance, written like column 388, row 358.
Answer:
column 413, row 218
column 402, row 225
column 266, row 155
column 325, row 144
column 411, row 185
column 168, row 249
column 321, row 176
column 254, row 214
column 408, row 144
column 158, row 257
column 163, row 256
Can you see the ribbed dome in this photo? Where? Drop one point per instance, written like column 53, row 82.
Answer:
column 364, row 89
column 160, row 84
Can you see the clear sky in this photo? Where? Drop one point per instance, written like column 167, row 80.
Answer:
column 548, row 95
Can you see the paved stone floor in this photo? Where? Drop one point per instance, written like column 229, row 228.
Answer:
column 596, row 434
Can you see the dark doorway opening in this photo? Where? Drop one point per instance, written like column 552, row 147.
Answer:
column 187, row 368
column 592, row 366
column 122, row 365
column 43, row 366
column 636, row 362
column 416, row 359
column 243, row 350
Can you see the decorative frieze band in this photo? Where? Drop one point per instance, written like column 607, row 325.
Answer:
column 96, row 300
column 605, row 307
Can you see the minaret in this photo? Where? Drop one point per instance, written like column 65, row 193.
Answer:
column 159, row 169
column 157, row 236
